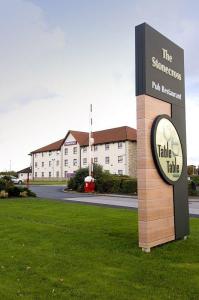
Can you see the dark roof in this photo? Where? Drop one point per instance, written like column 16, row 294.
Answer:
column 51, row 147
column 118, row 134
column 124, row 133
column 26, row 170
column 80, row 136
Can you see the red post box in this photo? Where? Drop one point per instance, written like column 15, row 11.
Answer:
column 89, row 184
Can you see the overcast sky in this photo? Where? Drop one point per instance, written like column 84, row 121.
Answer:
column 57, row 57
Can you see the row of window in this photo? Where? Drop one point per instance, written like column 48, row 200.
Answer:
column 74, row 150
column 120, row 172
column 95, row 160
column 107, row 146
column 74, row 162
column 49, row 174
column 50, row 163
column 95, row 148
column 46, row 153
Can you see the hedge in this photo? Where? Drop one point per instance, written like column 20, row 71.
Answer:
column 129, row 186
column 8, row 189
column 104, row 182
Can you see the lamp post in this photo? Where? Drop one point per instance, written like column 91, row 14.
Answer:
column 91, row 142
column 89, row 185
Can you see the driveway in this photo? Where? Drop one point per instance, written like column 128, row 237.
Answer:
column 56, row 193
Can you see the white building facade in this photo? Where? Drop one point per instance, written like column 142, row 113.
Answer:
column 114, row 149
column 25, row 174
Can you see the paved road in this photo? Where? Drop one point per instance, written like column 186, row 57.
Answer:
column 56, row 192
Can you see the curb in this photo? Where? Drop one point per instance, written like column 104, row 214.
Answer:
column 98, row 194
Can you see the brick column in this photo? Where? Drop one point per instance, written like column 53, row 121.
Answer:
column 155, row 197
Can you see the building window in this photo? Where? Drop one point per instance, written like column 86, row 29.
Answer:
column 35, row 155
column 66, row 151
column 95, row 148
column 50, row 153
column 49, row 163
column 35, row 164
column 95, row 160
column 120, row 159
column 42, row 154
column 107, row 160
column 120, row 172
column 57, row 174
column 57, row 163
column 74, row 162
column 106, row 146
column 57, row 152
column 42, row 174
column 84, row 149
column 35, row 174
column 84, row 161
column 66, row 162
column 74, row 150
column 65, row 174
column 42, row 164
column 49, row 174
column 120, row 145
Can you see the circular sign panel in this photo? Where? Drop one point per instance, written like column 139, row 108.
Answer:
column 167, row 149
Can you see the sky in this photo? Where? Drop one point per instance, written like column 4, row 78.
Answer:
column 57, row 57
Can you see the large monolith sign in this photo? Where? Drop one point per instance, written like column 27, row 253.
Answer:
column 161, row 139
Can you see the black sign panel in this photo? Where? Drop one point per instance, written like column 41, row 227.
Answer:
column 160, row 74
column 159, row 66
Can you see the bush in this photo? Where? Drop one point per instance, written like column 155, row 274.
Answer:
column 77, row 182
column 14, row 191
column 17, row 191
column 23, row 194
column 104, row 182
column 108, row 184
column 195, row 179
column 129, row 186
column 116, row 185
column 9, row 173
column 8, row 187
column 29, row 192
column 5, row 183
column 3, row 194
column 2, row 184
column 71, row 184
column 191, row 189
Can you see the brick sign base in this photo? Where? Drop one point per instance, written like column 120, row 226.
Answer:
column 155, row 197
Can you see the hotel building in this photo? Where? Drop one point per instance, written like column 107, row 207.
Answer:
column 114, row 149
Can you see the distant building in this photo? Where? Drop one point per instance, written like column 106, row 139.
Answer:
column 114, row 149
column 23, row 174
column 192, row 170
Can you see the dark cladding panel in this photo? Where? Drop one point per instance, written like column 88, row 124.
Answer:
column 159, row 67
column 160, row 74
column 140, row 59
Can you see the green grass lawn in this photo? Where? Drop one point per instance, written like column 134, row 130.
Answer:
column 48, row 182
column 55, row 250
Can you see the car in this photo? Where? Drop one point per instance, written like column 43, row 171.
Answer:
column 16, row 180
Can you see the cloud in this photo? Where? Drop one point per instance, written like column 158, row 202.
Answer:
column 29, row 54
column 52, row 68
column 192, row 140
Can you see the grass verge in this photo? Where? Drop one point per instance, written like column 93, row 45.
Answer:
column 55, row 250
column 47, row 182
